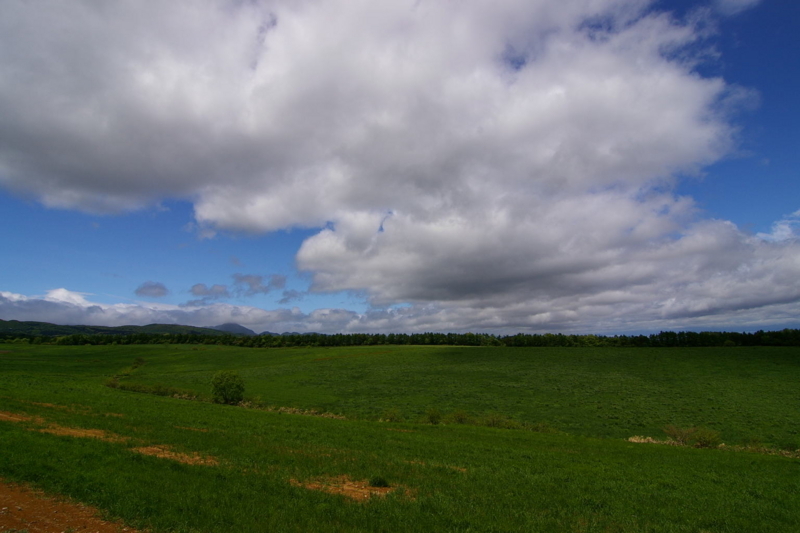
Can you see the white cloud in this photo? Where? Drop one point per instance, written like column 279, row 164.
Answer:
column 272, row 114
column 66, row 297
column 732, row 7
column 785, row 229
column 494, row 164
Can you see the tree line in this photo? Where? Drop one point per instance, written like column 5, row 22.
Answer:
column 785, row 337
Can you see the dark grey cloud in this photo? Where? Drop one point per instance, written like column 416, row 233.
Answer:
column 215, row 291
column 252, row 284
column 207, row 295
column 152, row 289
column 291, row 295
column 244, row 285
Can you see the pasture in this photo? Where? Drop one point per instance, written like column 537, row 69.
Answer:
column 177, row 465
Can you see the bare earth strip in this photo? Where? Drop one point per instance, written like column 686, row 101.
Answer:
column 356, row 490
column 8, row 416
column 164, row 452
column 24, row 509
column 793, row 454
column 55, row 429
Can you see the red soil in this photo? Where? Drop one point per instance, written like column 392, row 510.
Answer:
column 25, row 509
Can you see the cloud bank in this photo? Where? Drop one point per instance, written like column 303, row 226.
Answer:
column 61, row 306
column 504, row 165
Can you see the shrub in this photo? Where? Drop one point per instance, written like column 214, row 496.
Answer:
column 227, row 387
column 460, row 417
column 682, row 436
column 392, row 415
column 540, row 427
column 698, row 437
column 494, row 420
column 753, row 442
column 706, row 438
column 433, row 416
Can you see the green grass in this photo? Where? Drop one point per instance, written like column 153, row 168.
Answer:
column 451, row 477
column 741, row 392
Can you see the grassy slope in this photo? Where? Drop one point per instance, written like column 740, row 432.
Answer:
column 744, row 393
column 514, row 480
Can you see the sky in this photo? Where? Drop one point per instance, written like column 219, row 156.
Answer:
column 581, row 166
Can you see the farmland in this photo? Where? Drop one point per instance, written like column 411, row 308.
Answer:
column 566, row 464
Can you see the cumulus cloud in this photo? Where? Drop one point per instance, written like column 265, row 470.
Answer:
column 152, row 289
column 273, row 114
column 493, row 165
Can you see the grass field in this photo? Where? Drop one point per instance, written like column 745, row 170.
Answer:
column 258, row 470
column 745, row 393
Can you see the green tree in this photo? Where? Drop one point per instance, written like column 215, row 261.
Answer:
column 227, row 387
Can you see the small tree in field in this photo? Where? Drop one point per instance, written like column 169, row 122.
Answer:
column 227, row 387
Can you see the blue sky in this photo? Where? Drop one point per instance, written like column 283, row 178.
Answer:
column 760, row 50
column 344, row 166
column 110, row 256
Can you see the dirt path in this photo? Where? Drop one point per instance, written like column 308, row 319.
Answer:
column 24, row 509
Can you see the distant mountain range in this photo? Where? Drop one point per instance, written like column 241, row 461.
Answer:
column 238, row 329
column 234, row 329
column 45, row 329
